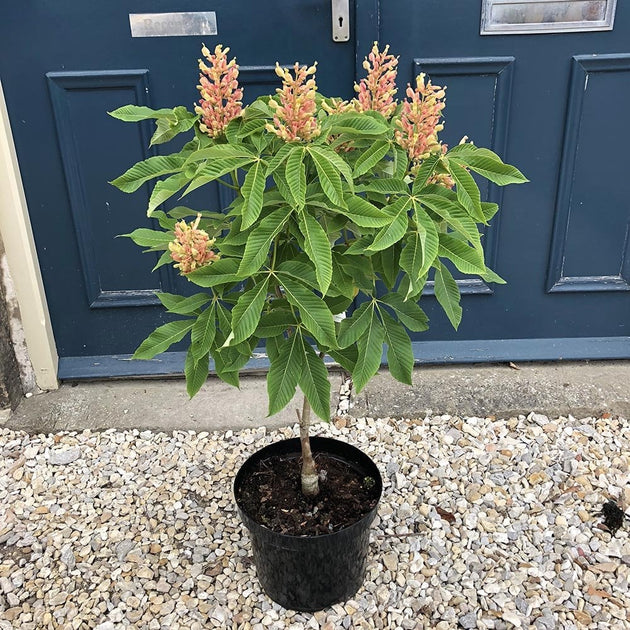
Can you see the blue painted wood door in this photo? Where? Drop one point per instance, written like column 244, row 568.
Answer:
column 64, row 64
column 554, row 105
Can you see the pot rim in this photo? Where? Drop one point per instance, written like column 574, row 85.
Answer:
column 369, row 516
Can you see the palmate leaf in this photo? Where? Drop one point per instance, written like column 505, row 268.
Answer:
column 412, row 259
column 247, row 312
column 203, row 332
column 328, row 176
column 466, row 259
column 214, row 169
column 357, row 124
column 424, row 172
column 275, row 323
column 315, row 315
column 370, row 352
column 300, row 271
column 167, row 129
column 447, row 294
column 385, row 185
column 371, row 157
column 150, row 238
column 346, row 357
column 196, row 371
column 278, row 159
column 408, row 313
column 454, row 215
column 146, row 170
column 220, row 152
column 183, row 305
column 490, row 166
column 353, row 327
column 314, row 382
column 317, row 247
column 365, row 214
column 295, row 173
column 165, row 189
column 136, row 113
column 252, row 191
column 162, row 338
column 392, row 233
column 284, row 373
column 429, row 239
column 222, row 271
column 399, row 349
column 259, row 242
column 467, row 191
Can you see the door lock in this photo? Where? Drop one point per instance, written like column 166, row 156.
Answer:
column 340, row 20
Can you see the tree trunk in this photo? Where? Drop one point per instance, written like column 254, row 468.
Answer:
column 310, row 478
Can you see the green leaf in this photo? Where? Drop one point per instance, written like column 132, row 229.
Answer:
column 370, row 157
column 399, row 349
column 351, row 328
column 357, row 124
column 252, row 191
column 165, row 189
column 465, row 258
column 220, row 152
column 370, row 353
column 259, row 242
column 390, row 264
column 318, row 249
column 346, row 357
column 183, row 305
column 408, row 313
column 412, row 259
column 167, row 129
column 204, row 332
column 401, row 162
column 300, row 271
column 150, row 238
column 454, row 215
column 314, row 313
column 429, row 240
column 146, row 170
column 489, row 209
column 222, row 271
column 365, row 214
column 336, row 160
column 284, row 373
column 314, row 382
column 425, row 171
column 215, row 169
column 491, row 276
column 490, row 166
column 385, row 185
column 136, row 113
column 329, row 178
column 447, row 294
column 164, row 259
column 392, row 233
column 247, row 311
column 275, row 323
column 467, row 191
column 278, row 159
column 295, row 173
column 162, row 338
column 196, row 372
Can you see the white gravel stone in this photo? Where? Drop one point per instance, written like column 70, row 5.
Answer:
column 483, row 523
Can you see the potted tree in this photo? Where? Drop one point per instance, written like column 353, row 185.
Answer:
column 338, row 206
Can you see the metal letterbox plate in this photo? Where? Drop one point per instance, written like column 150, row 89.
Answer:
column 173, row 24
column 512, row 17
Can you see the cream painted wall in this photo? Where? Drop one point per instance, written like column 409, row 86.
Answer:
column 17, row 236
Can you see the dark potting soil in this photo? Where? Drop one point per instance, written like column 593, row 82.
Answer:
column 272, row 496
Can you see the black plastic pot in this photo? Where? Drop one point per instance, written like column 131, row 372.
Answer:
column 309, row 573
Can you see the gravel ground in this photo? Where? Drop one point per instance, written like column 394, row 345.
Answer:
column 484, row 523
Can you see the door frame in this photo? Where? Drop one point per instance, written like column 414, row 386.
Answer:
column 17, row 236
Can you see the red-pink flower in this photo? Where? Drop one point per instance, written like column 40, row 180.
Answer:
column 191, row 247
column 419, row 121
column 294, row 118
column 376, row 92
column 220, row 94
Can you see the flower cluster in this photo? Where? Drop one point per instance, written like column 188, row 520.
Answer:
column 220, row 95
column 419, row 121
column 294, row 118
column 376, row 92
column 191, row 248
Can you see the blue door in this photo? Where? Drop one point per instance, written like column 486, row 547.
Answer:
column 554, row 104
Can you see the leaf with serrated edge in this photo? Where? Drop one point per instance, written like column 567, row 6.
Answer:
column 353, row 327
column 392, row 233
column 252, row 191
column 399, row 349
column 284, row 373
column 183, row 305
column 295, row 174
column 314, row 382
column 222, row 271
column 371, row 157
column 466, row 259
column 203, row 332
column 365, row 214
column 247, row 311
column 408, row 313
column 317, row 247
column 370, row 353
column 467, row 191
column 150, row 168
column 329, row 178
column 259, row 242
column 162, row 338
column 447, row 294
column 196, row 372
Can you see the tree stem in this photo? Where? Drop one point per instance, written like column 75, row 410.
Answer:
column 310, row 478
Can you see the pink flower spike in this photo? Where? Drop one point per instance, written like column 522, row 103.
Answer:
column 220, row 94
column 294, row 119
column 191, row 247
column 376, row 92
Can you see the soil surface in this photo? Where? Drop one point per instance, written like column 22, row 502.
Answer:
column 272, row 496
